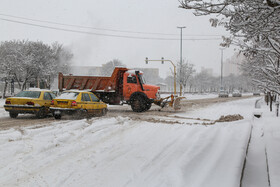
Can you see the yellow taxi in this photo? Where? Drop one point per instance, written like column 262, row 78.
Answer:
column 33, row 101
column 79, row 103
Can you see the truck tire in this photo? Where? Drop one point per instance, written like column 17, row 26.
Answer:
column 140, row 103
column 13, row 114
column 148, row 106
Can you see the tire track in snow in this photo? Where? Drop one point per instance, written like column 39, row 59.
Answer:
column 245, row 157
column 256, row 167
column 111, row 132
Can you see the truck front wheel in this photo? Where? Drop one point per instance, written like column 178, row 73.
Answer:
column 139, row 103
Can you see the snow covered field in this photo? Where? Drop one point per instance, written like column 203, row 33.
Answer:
column 119, row 151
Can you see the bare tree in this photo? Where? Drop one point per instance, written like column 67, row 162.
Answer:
column 185, row 71
column 255, row 27
column 108, row 68
column 25, row 60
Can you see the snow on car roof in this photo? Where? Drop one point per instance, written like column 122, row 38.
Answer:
column 131, row 71
column 76, row 90
column 68, row 95
column 14, row 97
column 37, row 89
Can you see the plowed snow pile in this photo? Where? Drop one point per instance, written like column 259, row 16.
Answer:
column 229, row 118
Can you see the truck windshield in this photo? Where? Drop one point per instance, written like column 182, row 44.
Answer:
column 141, row 78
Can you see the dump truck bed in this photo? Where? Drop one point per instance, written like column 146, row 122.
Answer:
column 93, row 83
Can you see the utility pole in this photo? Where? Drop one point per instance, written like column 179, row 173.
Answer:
column 222, row 51
column 181, row 60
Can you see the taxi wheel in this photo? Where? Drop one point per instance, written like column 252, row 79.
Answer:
column 13, row 114
column 41, row 113
column 57, row 116
column 104, row 112
column 82, row 113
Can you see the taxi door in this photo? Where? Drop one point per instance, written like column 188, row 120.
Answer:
column 86, row 102
column 96, row 106
column 47, row 99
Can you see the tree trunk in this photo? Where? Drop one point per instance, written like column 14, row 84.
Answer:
column 183, row 90
column 24, row 85
column 16, row 78
column 266, row 98
column 270, row 102
column 5, row 88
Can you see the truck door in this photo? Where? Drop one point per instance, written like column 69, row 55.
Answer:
column 130, row 85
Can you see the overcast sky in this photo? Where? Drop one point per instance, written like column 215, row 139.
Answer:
column 93, row 49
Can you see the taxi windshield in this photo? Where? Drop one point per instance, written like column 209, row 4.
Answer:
column 31, row 94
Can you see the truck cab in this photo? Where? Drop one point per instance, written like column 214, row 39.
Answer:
column 134, row 82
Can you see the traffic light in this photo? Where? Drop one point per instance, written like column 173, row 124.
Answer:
column 162, row 60
column 146, row 60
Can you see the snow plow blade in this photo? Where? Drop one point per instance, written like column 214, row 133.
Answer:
column 170, row 101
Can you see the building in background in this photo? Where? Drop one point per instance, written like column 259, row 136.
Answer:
column 151, row 75
column 209, row 71
column 231, row 68
column 163, row 87
column 232, row 65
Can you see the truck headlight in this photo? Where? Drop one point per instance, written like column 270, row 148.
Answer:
column 157, row 96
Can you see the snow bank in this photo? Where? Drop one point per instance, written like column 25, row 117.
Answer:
column 213, row 112
column 3, row 113
column 271, row 126
column 194, row 96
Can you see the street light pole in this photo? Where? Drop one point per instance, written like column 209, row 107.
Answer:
column 222, row 51
column 181, row 62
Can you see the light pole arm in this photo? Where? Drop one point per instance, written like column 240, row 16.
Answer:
column 163, row 60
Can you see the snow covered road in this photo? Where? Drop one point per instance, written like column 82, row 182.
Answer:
column 124, row 151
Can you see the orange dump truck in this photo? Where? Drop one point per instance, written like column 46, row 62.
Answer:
column 124, row 86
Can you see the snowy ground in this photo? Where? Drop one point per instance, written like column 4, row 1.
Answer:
column 203, row 96
column 119, row 151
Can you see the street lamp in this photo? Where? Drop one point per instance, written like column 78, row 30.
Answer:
column 181, row 44
column 222, row 51
column 162, row 61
